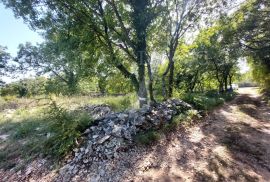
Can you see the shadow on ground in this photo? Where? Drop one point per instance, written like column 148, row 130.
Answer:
column 231, row 144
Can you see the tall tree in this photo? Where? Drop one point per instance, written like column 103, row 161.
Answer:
column 185, row 16
column 4, row 57
column 120, row 26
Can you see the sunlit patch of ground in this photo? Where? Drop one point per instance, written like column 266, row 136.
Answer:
column 231, row 144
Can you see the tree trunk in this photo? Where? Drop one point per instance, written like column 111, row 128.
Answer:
column 164, row 88
column 221, row 89
column 150, row 83
column 226, row 83
column 140, row 23
column 230, row 82
column 171, row 82
column 142, row 92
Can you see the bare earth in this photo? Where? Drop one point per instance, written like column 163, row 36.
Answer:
column 230, row 144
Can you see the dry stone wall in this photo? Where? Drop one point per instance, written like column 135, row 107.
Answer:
column 113, row 133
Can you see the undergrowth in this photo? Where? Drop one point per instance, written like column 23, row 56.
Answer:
column 65, row 128
column 209, row 100
column 151, row 136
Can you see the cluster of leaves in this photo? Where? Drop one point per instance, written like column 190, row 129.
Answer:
column 65, row 128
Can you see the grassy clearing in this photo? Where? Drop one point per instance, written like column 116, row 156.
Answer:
column 31, row 127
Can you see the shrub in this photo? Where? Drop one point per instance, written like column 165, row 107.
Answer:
column 147, row 138
column 208, row 100
column 65, row 128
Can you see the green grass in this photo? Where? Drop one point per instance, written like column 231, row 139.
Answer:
column 148, row 137
column 207, row 101
column 39, row 127
column 48, row 131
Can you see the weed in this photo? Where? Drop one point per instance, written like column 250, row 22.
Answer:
column 207, row 101
column 64, row 128
column 148, row 137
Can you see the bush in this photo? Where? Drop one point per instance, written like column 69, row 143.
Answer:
column 147, row 138
column 65, row 128
column 208, row 100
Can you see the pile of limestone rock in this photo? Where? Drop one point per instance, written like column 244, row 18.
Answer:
column 113, row 133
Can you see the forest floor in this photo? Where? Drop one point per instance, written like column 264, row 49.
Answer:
column 232, row 143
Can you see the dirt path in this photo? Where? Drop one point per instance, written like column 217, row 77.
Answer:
column 231, row 144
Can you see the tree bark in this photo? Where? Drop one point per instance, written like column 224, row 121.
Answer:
column 230, row 81
column 226, row 83
column 142, row 92
column 171, row 80
column 150, row 83
column 164, row 89
column 140, row 24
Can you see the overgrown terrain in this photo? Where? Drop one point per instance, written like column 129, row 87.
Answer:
column 138, row 90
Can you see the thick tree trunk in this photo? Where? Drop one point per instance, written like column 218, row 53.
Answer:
column 221, row 89
column 142, row 92
column 140, row 24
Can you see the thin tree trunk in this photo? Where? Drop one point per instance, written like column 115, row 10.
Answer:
column 164, row 89
column 171, row 82
column 226, row 83
column 230, row 82
column 150, row 83
column 221, row 89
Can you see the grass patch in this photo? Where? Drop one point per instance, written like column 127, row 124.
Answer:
column 207, row 101
column 38, row 130
column 152, row 136
column 38, row 127
column 64, row 128
column 148, row 137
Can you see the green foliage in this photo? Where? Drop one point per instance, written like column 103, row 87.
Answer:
column 207, row 101
column 174, row 124
column 25, row 88
column 4, row 60
column 65, row 127
column 122, row 103
column 148, row 137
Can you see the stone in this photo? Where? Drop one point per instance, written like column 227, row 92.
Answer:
column 95, row 136
column 113, row 133
column 103, row 139
column 85, row 161
column 117, row 130
column 87, row 131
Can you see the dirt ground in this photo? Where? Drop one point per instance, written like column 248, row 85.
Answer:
column 232, row 143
